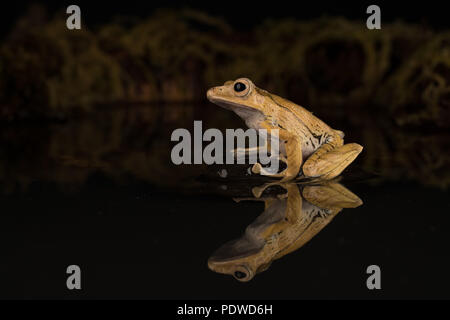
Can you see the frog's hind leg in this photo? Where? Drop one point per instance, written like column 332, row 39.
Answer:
column 328, row 162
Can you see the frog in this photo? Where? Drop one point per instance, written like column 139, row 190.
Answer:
column 308, row 146
column 290, row 219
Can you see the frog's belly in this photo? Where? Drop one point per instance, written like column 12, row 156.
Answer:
column 308, row 145
column 307, row 150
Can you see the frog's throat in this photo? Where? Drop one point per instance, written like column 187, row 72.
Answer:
column 243, row 111
column 237, row 249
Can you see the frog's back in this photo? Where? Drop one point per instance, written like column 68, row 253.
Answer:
column 313, row 131
column 314, row 124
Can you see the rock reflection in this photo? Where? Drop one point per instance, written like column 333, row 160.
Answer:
column 289, row 221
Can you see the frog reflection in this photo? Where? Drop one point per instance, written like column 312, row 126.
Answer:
column 287, row 223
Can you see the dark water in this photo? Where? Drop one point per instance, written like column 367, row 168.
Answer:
column 101, row 192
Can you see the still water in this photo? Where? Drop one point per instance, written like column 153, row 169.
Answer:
column 101, row 192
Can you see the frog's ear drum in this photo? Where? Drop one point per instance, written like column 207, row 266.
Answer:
column 241, row 87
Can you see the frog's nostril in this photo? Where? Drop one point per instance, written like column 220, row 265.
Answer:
column 210, row 93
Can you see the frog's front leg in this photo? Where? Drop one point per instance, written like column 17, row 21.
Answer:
column 331, row 159
column 293, row 158
column 242, row 153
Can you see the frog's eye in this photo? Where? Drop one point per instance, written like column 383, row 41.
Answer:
column 241, row 87
column 242, row 273
column 239, row 275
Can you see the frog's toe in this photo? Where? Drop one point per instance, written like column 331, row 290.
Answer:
column 256, row 168
column 257, row 191
column 270, row 172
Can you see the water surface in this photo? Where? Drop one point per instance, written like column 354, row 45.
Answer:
column 101, row 192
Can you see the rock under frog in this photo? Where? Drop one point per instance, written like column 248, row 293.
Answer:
column 308, row 146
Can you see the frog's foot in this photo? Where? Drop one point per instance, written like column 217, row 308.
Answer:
column 258, row 190
column 330, row 164
column 331, row 195
column 259, row 169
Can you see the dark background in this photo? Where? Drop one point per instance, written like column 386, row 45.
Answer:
column 247, row 13
column 140, row 227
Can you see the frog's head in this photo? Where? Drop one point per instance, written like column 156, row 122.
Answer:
column 241, row 258
column 240, row 96
column 240, row 270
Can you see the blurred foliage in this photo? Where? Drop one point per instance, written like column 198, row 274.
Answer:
column 50, row 72
column 388, row 89
column 418, row 96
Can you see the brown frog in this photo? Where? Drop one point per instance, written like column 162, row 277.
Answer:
column 307, row 144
